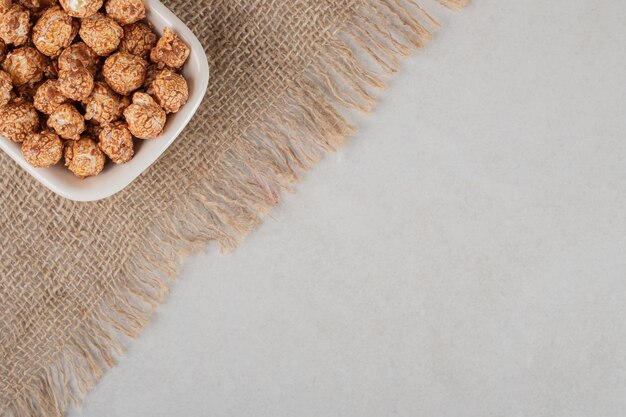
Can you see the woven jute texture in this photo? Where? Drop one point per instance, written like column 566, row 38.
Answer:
column 78, row 281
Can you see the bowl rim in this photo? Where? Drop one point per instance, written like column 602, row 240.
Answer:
column 201, row 82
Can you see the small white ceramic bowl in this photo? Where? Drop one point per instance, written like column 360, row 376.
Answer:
column 115, row 178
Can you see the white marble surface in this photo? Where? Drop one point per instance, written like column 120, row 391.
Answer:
column 462, row 256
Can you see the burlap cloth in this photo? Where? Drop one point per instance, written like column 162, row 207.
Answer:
column 78, row 280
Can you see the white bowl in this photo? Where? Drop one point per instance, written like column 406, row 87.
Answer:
column 115, row 178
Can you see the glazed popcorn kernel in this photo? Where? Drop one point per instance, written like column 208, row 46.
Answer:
column 5, row 5
column 6, row 87
column 170, row 91
column 15, row 25
column 67, row 122
column 42, row 150
column 144, row 117
column 139, row 39
column 54, row 31
column 77, row 56
column 81, row 8
column 170, row 50
column 126, row 11
column 104, row 105
column 48, row 97
column 83, row 157
column 124, row 72
column 117, row 142
column 76, row 85
column 101, row 33
column 25, row 65
column 18, row 120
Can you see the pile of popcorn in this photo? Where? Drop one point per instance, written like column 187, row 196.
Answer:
column 81, row 79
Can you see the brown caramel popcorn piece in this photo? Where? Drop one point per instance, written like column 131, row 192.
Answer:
column 67, row 122
column 126, row 11
column 6, row 87
column 124, row 72
column 117, row 142
column 83, row 157
column 54, row 31
column 170, row 91
column 104, row 105
column 18, row 120
column 101, row 33
column 42, row 150
column 170, row 50
column 81, row 8
column 145, row 118
column 48, row 97
column 25, row 65
column 139, row 39
column 77, row 56
column 15, row 25
column 76, row 85
column 5, row 5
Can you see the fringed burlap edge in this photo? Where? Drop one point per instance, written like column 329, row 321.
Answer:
column 294, row 134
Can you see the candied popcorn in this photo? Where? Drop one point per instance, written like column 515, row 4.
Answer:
column 48, row 97
column 104, row 105
column 54, row 31
column 101, row 33
column 42, row 150
column 83, row 157
column 18, row 120
column 139, row 39
column 117, row 142
column 53, row 77
column 144, row 117
column 25, row 65
column 15, row 25
column 124, row 72
column 81, row 8
column 76, row 85
column 6, row 87
column 77, row 56
column 170, row 50
column 5, row 5
column 126, row 11
column 67, row 122
column 170, row 91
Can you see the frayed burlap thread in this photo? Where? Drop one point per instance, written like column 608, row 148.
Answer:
column 78, row 281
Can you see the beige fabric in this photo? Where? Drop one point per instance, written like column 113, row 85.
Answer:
column 78, row 280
